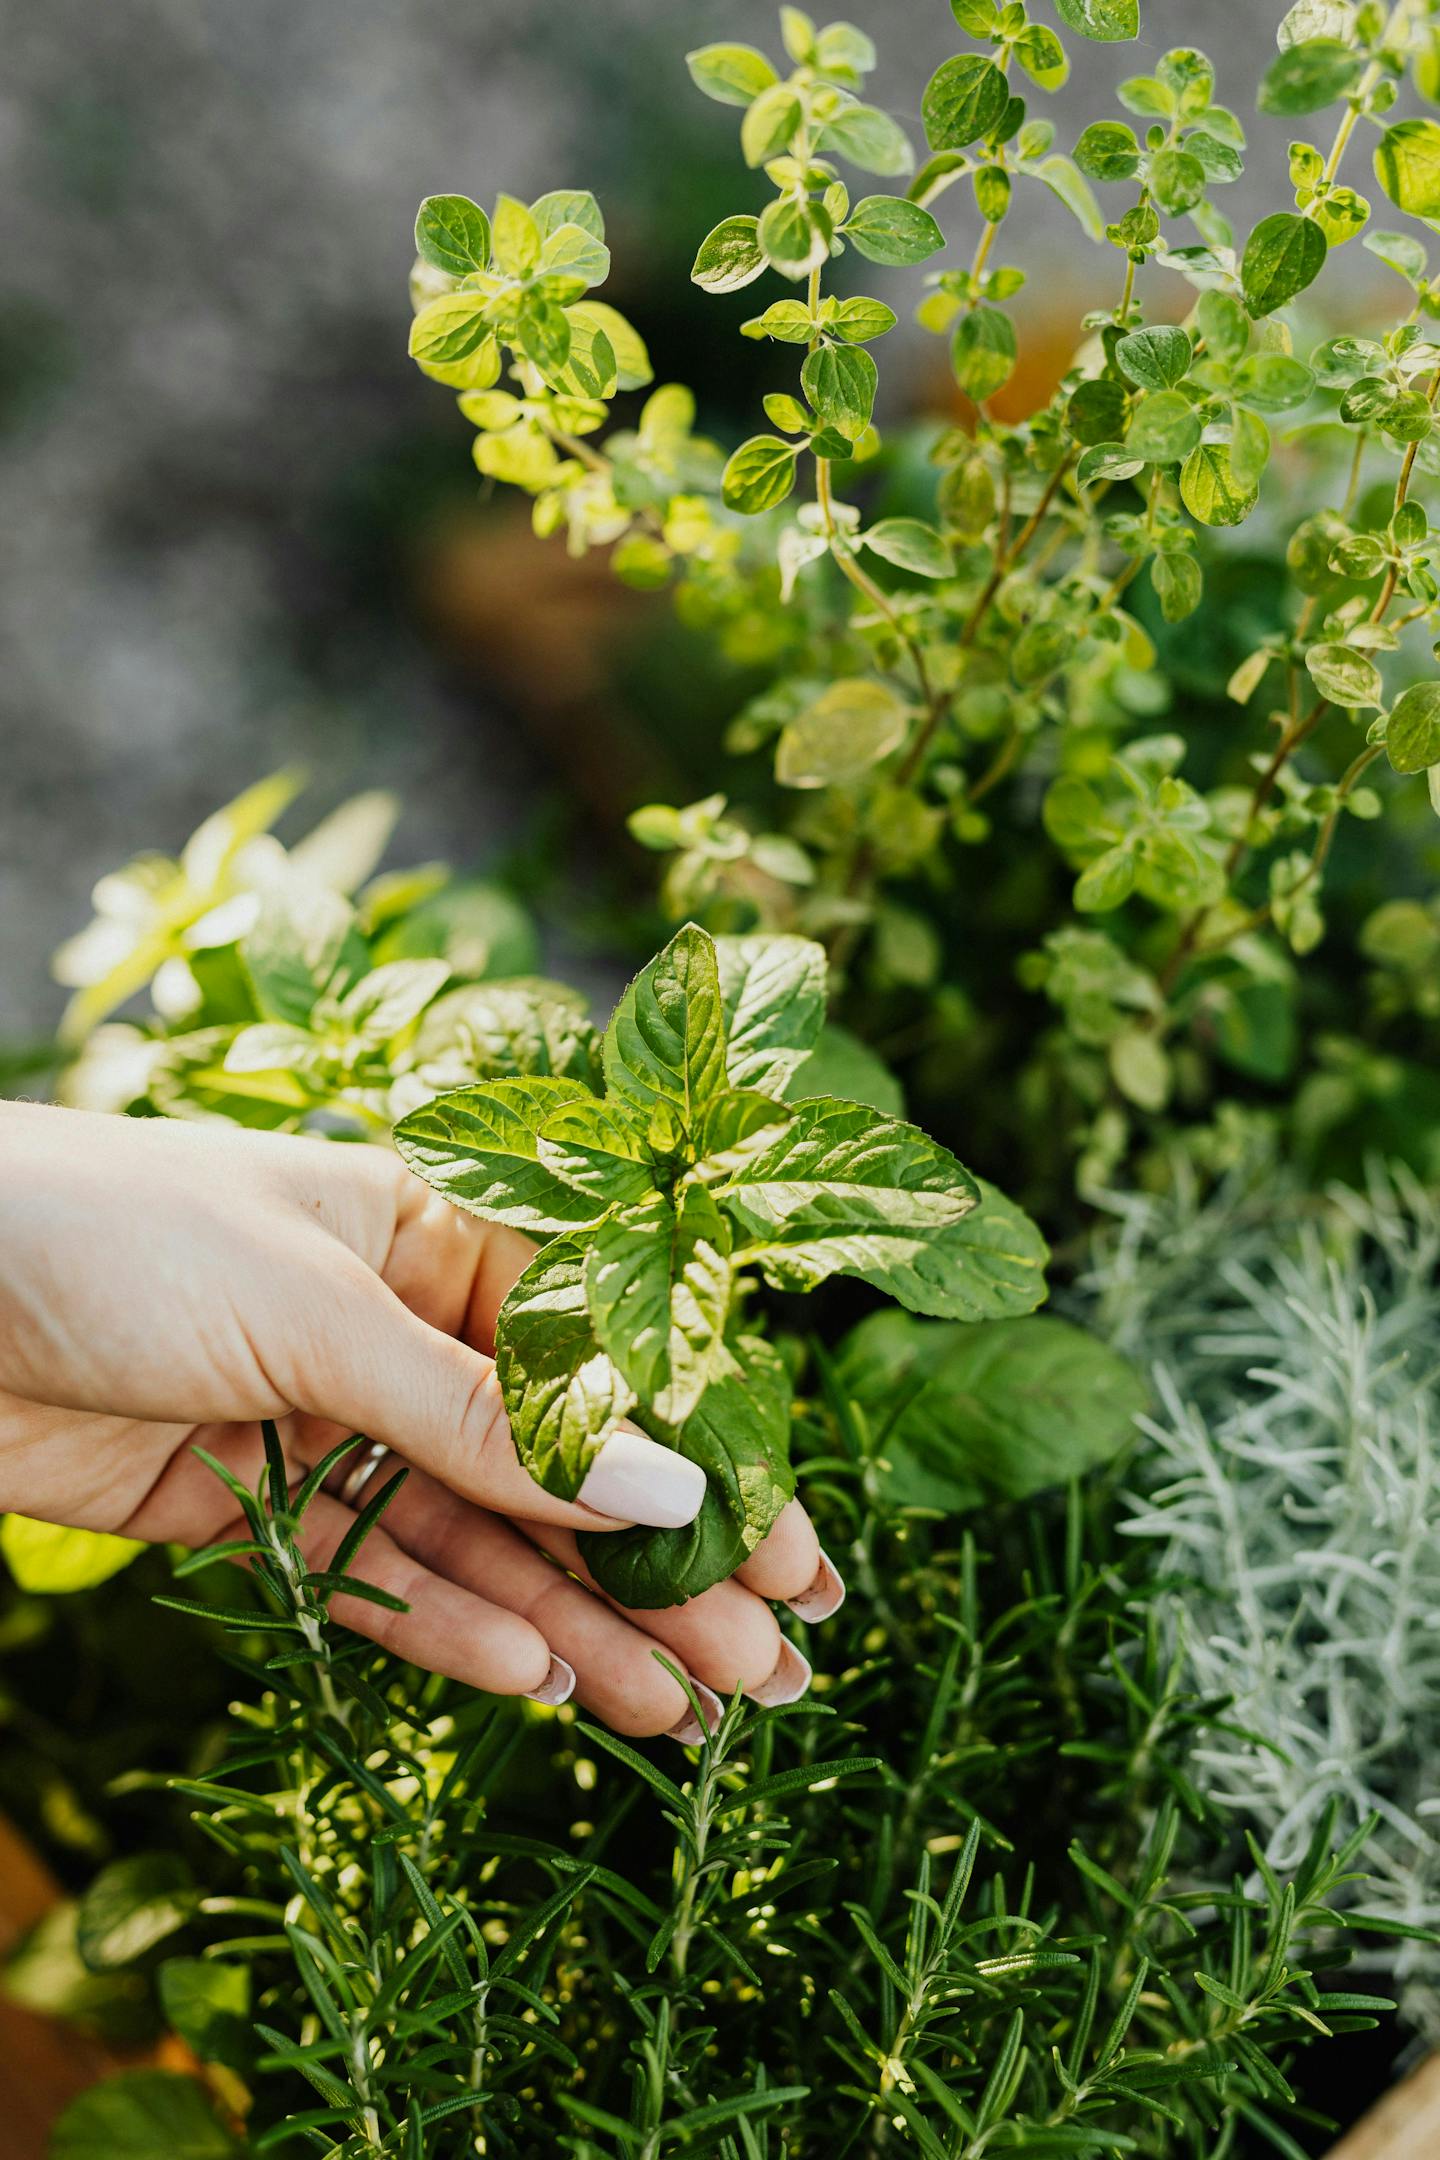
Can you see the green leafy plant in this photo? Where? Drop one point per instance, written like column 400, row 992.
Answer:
column 391, row 1962
column 927, row 655
column 664, row 1198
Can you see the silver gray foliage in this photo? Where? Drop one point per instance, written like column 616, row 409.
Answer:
column 1290, row 1482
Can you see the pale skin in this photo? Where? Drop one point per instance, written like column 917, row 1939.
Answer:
column 163, row 1285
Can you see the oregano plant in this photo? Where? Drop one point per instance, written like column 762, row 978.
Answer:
column 665, row 1199
column 942, row 660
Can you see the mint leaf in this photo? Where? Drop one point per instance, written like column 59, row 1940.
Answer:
column 845, row 1191
column 772, row 994
column 480, row 1147
column 738, row 1122
column 658, row 1283
column 526, row 1026
column 740, row 1437
column 599, row 1147
column 666, row 1042
column 989, row 1266
column 563, row 1396
column 964, row 1415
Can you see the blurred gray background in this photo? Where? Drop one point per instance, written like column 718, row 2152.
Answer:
column 240, row 530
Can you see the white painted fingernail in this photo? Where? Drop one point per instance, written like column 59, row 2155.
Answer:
column 559, row 1684
column 825, row 1595
column 642, row 1482
column 690, row 1732
column 787, row 1683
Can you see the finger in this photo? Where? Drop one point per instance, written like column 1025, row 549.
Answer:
column 448, row 1628
column 792, row 1565
column 617, row 1675
column 370, row 1364
column 726, row 1637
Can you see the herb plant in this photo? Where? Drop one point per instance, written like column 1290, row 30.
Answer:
column 1287, row 1489
column 845, row 1938
column 660, row 1202
column 929, row 666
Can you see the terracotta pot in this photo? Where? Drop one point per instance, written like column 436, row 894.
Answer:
column 1405, row 2125
column 42, row 2065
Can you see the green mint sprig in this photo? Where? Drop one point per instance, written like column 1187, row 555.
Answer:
column 661, row 1201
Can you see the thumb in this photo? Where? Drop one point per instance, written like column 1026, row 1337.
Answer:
column 369, row 1363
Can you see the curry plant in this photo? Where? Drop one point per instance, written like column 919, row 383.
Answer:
column 924, row 662
column 663, row 1199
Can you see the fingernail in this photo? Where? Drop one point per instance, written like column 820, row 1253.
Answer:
column 787, row 1683
column 642, row 1482
column 559, row 1684
column 690, row 1732
column 825, row 1595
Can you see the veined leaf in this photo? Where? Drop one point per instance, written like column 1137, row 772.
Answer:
column 599, row 1147
column 1110, row 21
column 740, row 1437
column 658, row 1283
column 772, row 995
column 666, row 1042
column 453, row 234
column 965, row 1414
column 845, row 1191
column 480, row 1147
column 563, row 1395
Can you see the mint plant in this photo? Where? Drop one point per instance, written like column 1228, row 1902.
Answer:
column 661, row 1201
column 926, row 657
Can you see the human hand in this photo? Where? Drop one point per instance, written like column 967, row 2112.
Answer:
column 165, row 1284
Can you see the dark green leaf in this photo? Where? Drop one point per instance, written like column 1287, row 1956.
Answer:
column 967, row 1414
column 1283, row 255
column 739, row 1436
column 965, row 98
column 888, row 229
column 453, row 234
